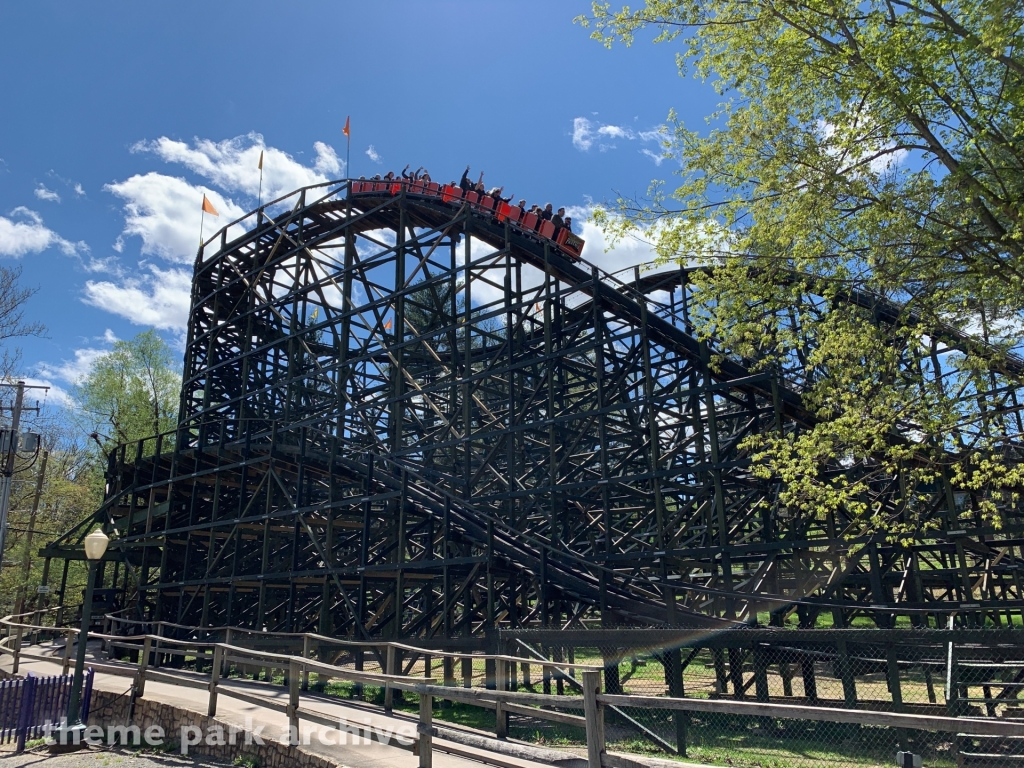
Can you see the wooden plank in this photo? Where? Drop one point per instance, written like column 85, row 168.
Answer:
column 545, row 714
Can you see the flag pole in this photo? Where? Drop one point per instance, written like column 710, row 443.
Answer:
column 260, row 203
column 348, row 151
column 207, row 206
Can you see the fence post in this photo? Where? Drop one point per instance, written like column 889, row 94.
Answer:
column 140, row 687
column 674, row 675
column 215, row 671
column 66, row 663
column 225, row 667
column 389, row 669
column 593, row 711
column 90, row 677
column 294, row 673
column 449, row 678
column 16, row 649
column 357, row 688
column 426, row 729
column 305, row 655
column 28, row 700
column 467, row 671
column 159, row 633
column 500, row 684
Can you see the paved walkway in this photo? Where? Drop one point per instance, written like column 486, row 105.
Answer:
column 233, row 711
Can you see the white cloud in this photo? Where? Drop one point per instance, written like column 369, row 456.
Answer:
column 47, row 194
column 627, row 252
column 658, row 159
column 373, row 154
column 160, row 299
column 587, row 133
column 74, row 186
column 232, row 164
column 615, row 132
column 582, row 134
column 109, row 265
column 18, row 238
column 655, row 134
column 165, row 212
column 72, row 371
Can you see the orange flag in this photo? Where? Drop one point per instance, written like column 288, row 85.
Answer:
column 387, row 326
column 208, row 207
column 345, row 129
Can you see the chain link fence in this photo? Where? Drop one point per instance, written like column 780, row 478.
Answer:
column 942, row 673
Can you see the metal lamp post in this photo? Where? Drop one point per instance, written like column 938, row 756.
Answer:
column 95, row 547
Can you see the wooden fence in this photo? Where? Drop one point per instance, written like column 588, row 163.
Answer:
column 217, row 657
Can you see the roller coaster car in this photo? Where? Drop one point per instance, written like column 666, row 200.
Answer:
column 570, row 244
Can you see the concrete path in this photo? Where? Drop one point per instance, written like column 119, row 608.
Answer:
column 447, row 754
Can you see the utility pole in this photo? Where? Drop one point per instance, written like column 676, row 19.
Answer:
column 26, row 560
column 7, row 474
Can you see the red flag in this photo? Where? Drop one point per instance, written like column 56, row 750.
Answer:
column 345, row 129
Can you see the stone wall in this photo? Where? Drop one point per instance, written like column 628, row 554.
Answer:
column 113, row 709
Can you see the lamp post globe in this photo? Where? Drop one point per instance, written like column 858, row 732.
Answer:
column 95, row 546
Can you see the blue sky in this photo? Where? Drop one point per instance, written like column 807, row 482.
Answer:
column 117, row 115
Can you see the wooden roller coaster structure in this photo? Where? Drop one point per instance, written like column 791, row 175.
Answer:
column 404, row 415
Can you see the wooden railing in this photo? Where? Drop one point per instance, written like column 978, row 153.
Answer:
column 221, row 656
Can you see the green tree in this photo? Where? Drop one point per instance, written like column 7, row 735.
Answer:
column 132, row 391
column 874, row 147
column 69, row 483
